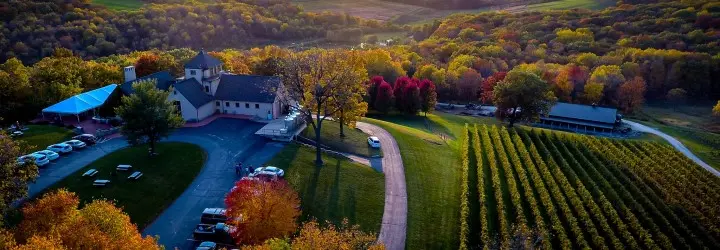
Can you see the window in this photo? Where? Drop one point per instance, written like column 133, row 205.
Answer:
column 192, row 72
column 247, row 105
column 227, row 104
column 217, row 104
column 178, row 107
column 175, row 92
column 257, row 106
column 207, row 89
column 237, row 104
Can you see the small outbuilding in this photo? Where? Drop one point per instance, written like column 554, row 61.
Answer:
column 578, row 117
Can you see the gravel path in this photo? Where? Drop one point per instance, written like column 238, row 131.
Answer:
column 675, row 143
column 394, row 222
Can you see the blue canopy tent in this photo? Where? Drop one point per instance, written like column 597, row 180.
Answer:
column 82, row 102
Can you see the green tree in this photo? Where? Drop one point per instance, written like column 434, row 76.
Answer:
column 148, row 115
column 716, row 109
column 525, row 92
column 676, row 96
column 14, row 177
column 14, row 89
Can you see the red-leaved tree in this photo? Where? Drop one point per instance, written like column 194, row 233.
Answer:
column 489, row 84
column 411, row 98
column 428, row 96
column 400, row 84
column 261, row 210
column 383, row 98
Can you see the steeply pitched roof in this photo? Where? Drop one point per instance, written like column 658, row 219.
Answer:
column 202, row 60
column 164, row 80
column 247, row 88
column 584, row 112
column 193, row 92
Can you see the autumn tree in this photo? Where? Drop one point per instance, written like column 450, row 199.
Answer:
column 522, row 96
column 411, row 98
column 610, row 77
column 57, row 77
column 593, row 93
column 98, row 225
column 384, row 98
column 147, row 64
column 469, row 85
column 261, row 210
column 349, row 101
column 398, row 88
column 311, row 79
column 313, row 236
column 15, row 89
column 428, row 96
column 148, row 115
column 372, row 89
column 14, row 177
column 488, row 85
column 631, row 94
column 716, row 109
column 378, row 62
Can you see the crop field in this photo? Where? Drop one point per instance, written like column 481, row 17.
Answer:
column 532, row 187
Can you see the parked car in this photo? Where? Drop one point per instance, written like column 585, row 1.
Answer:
column 269, row 170
column 86, row 138
column 16, row 134
column 374, row 142
column 40, row 160
column 213, row 216
column 76, row 144
column 207, row 245
column 60, row 148
column 219, row 233
column 49, row 154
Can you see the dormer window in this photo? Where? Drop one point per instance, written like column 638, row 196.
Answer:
column 192, row 72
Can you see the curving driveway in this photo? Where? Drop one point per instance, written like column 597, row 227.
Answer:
column 394, row 221
column 226, row 141
column 675, row 143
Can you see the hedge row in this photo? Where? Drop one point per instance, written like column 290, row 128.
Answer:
column 485, row 230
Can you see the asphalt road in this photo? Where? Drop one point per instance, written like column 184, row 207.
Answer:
column 675, row 143
column 226, row 141
column 394, row 222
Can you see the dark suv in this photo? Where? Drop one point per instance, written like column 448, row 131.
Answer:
column 219, row 233
column 86, row 138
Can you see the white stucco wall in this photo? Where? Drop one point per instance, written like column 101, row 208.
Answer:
column 241, row 109
column 206, row 110
column 197, row 76
column 187, row 110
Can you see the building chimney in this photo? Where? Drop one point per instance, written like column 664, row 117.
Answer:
column 129, row 73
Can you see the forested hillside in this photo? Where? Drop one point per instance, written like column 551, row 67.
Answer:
column 31, row 30
column 666, row 46
column 461, row 4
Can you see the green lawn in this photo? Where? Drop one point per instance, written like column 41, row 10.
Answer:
column 571, row 4
column 41, row 136
column 165, row 177
column 432, row 173
column 340, row 189
column 354, row 142
column 120, row 4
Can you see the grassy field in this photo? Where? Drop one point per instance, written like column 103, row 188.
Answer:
column 120, row 4
column 165, row 177
column 340, row 189
column 354, row 142
column 41, row 136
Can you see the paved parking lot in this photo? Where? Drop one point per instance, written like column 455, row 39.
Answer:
column 226, row 141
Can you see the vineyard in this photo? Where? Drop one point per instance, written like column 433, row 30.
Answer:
column 540, row 189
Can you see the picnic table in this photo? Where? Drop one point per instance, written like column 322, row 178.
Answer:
column 90, row 173
column 101, row 183
column 123, row 167
column 136, row 175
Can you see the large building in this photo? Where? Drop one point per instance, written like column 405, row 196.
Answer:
column 577, row 117
column 206, row 89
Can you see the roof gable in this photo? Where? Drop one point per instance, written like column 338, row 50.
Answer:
column 164, row 80
column 247, row 88
column 193, row 92
column 202, row 60
column 584, row 112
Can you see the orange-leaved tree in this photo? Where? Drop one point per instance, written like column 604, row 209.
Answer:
column 261, row 210
column 313, row 236
column 55, row 218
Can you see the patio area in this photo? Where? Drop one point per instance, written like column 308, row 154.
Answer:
column 88, row 125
